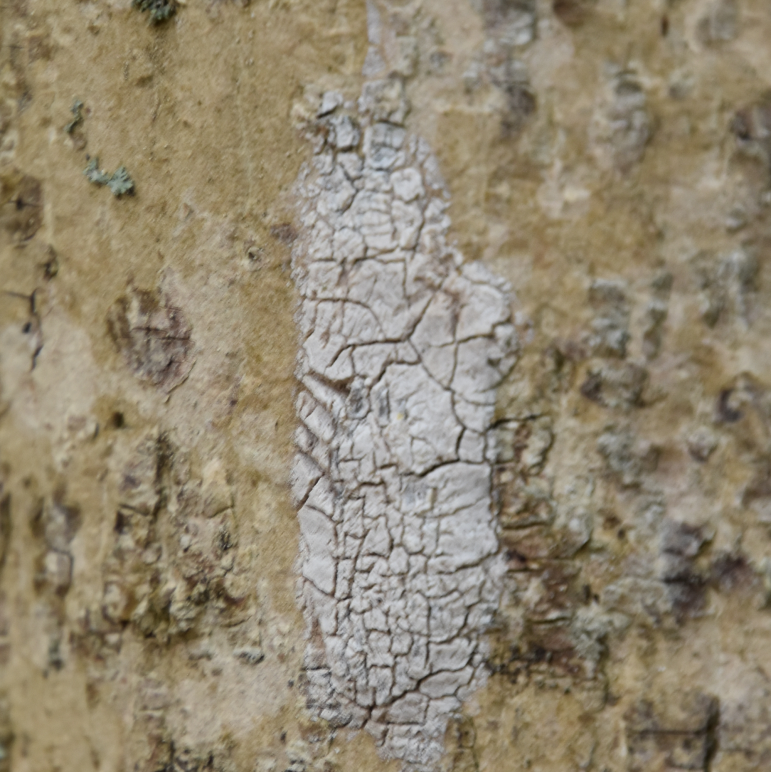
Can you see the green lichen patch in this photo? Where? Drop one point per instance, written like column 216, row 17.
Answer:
column 119, row 183
column 94, row 174
column 159, row 10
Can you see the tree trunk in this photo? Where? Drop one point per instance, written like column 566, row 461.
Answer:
column 385, row 385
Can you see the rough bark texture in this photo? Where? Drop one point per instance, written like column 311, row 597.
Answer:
column 609, row 159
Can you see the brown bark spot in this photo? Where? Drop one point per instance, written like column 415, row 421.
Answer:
column 153, row 336
column 21, row 205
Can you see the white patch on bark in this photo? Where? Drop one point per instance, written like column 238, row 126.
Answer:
column 402, row 348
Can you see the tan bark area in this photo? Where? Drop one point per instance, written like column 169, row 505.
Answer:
column 609, row 158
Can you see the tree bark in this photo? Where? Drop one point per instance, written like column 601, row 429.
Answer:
column 584, row 185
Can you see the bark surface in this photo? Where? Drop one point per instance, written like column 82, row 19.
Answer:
column 400, row 365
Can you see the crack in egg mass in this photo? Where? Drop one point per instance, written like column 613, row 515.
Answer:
column 402, row 348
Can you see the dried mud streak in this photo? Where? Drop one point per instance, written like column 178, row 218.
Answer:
column 402, row 349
